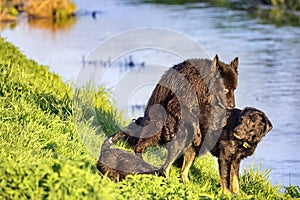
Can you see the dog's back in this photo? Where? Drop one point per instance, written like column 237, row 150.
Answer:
column 118, row 163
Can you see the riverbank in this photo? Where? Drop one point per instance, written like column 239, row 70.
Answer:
column 44, row 157
column 57, row 10
column 283, row 4
column 278, row 12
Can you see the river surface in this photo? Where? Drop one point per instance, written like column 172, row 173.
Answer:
column 269, row 62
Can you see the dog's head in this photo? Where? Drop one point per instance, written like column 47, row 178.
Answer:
column 229, row 75
column 252, row 126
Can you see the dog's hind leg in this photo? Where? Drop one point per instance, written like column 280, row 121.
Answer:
column 188, row 159
column 141, row 146
column 149, row 135
column 234, row 176
column 179, row 145
column 174, row 148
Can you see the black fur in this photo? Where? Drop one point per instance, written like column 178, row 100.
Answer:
column 190, row 96
column 117, row 163
column 239, row 138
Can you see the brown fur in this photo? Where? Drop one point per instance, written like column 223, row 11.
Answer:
column 188, row 98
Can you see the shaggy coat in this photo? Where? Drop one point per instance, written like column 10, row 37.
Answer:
column 117, row 163
column 244, row 130
column 190, row 99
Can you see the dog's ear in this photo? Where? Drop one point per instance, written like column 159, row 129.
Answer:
column 264, row 127
column 267, row 122
column 218, row 65
column 239, row 131
column 235, row 63
column 216, row 61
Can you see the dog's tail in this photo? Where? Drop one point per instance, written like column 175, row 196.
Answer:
column 126, row 135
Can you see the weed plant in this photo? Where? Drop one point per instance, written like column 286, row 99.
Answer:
column 51, row 134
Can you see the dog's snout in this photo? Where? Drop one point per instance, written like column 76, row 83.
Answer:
column 231, row 106
column 230, row 103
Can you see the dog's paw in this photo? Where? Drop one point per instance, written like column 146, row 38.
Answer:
column 226, row 191
column 185, row 177
column 161, row 173
column 166, row 171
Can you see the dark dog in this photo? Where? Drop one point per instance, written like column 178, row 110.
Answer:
column 117, row 163
column 239, row 138
column 198, row 88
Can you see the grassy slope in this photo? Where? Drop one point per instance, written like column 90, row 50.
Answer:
column 43, row 157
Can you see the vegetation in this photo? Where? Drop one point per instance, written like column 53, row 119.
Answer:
column 171, row 1
column 45, row 155
column 7, row 12
column 278, row 12
column 293, row 191
column 57, row 10
column 283, row 4
column 289, row 4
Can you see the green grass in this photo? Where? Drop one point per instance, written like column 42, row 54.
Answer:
column 285, row 4
column 50, row 137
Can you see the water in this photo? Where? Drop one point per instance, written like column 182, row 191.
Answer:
column 269, row 69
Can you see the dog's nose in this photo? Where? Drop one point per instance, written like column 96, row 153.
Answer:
column 230, row 106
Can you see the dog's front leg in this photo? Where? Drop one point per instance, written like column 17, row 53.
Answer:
column 234, row 176
column 224, row 170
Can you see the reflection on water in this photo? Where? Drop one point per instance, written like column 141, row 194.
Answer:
column 49, row 24
column 46, row 24
column 276, row 16
column 126, row 63
column 269, row 69
column 5, row 25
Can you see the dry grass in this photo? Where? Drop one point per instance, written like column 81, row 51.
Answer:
column 55, row 9
column 49, row 9
column 8, row 11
